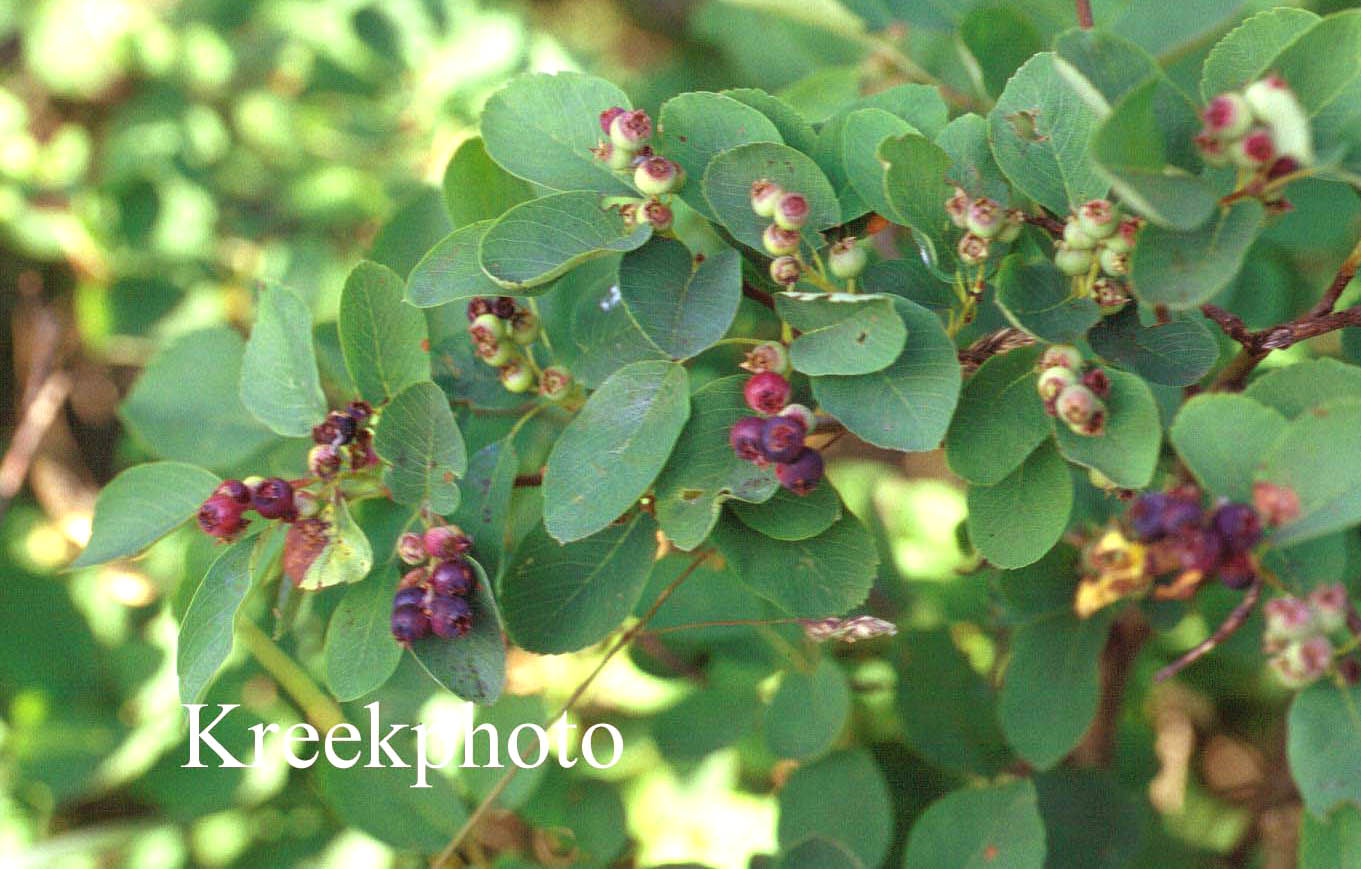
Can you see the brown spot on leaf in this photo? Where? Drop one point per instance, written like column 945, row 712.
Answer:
column 990, row 853
column 1023, row 123
column 305, row 541
column 425, row 344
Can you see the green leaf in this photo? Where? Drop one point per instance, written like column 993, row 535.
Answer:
column 816, row 577
column 608, row 455
column 542, row 128
column 1176, row 353
column 712, row 593
column 1333, row 842
column 382, row 337
column 948, row 711
column 817, row 852
column 1293, row 389
column 842, row 797
column 795, row 131
column 360, row 653
column 864, row 131
column 1145, row 148
column 683, row 307
column 1323, row 746
column 1127, row 452
column 980, row 828
column 727, row 188
column 1089, row 819
column 1000, row 38
column 1221, row 438
column 539, row 240
column 787, row 516
column 1052, row 685
column 562, row 598
column 808, row 712
column 484, row 509
column 1000, row 419
column 207, row 630
column 419, row 440
column 714, row 717
column 141, row 505
column 1184, row 269
column 695, row 127
column 280, row 385
column 1111, row 64
column 703, row 471
column 604, row 334
column 472, row 666
column 1319, row 457
column 476, row 189
column 196, row 376
column 915, row 186
column 1016, row 521
column 1042, row 589
column 1242, row 56
column 908, row 405
column 347, row 556
column 911, row 279
column 1039, row 298
column 972, row 166
column 842, row 333
column 449, row 271
column 1040, row 129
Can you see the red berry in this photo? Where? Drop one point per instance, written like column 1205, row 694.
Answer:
column 766, row 392
column 273, row 499
column 782, row 438
column 220, row 517
column 446, row 541
column 1238, row 571
column 745, row 438
column 236, row 490
column 802, row 475
column 454, row 576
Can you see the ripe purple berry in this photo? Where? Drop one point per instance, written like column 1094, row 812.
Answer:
column 453, row 576
column 791, row 211
column 273, row 499
column 1199, row 550
column 766, row 393
column 1238, row 526
column 411, row 549
column 802, row 475
column 745, row 439
column 220, row 517
column 782, row 438
column 449, row 616
column 446, row 541
column 408, row 597
column 1238, row 571
column 409, row 624
column 236, row 490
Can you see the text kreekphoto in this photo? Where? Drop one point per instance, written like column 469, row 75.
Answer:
column 344, row 746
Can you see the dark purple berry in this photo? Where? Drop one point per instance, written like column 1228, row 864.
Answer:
column 236, row 490
column 782, row 438
column 503, row 307
column 766, row 393
column 273, row 499
column 359, row 410
column 802, row 475
column 337, row 429
column 453, row 577
column 1238, row 571
column 220, row 517
column 477, row 307
column 1154, row 515
column 1199, row 549
column 745, row 438
column 450, row 616
column 408, row 597
column 409, row 624
column 1238, row 526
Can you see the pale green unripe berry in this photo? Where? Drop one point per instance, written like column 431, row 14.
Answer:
column 657, row 175
column 780, row 242
column 1072, row 261
column 1061, row 356
column 785, row 271
column 629, row 131
column 495, row 353
column 1114, row 263
column 1098, row 218
column 1053, row 381
column 524, row 328
column 487, row 329
column 767, row 356
column 1075, row 238
column 556, row 383
column 516, row 377
column 1276, row 105
column 846, row 259
column 985, row 218
column 764, row 194
column 618, row 158
column 1012, row 224
column 972, row 249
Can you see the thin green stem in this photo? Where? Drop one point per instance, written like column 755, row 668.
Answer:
column 722, row 623
column 746, row 342
column 319, row 709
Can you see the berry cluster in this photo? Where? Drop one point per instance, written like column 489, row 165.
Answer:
column 1184, row 538
column 1095, row 246
column 788, row 212
column 223, row 514
column 1297, row 634
column 1072, row 390
column 626, row 150
column 1262, row 128
column 502, row 332
column 342, row 438
column 983, row 221
column 778, row 434
column 432, row 597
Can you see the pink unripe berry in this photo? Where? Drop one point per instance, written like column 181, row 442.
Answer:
column 607, row 118
column 779, row 241
column 657, row 175
column 766, row 392
column 764, row 194
column 957, row 206
column 1303, row 662
column 785, row 271
column 446, row 541
column 1254, row 150
column 768, row 356
column 1228, row 116
column 846, row 259
column 630, row 130
column 972, row 249
column 1276, row 505
column 984, row 218
column 1076, row 404
column 791, row 211
column 1287, row 618
column 1330, row 606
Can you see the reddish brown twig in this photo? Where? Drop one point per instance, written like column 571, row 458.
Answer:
column 1047, row 223
column 1084, row 14
column 758, row 295
column 525, row 481
column 1235, row 621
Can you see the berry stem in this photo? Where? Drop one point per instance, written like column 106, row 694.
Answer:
column 1235, row 620
column 543, row 333
column 320, row 709
column 722, row 623
column 625, row 638
column 741, row 341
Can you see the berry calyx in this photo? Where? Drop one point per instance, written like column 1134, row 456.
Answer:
column 780, row 242
column 220, row 517
column 1054, row 380
column 446, row 541
column 449, row 616
column 453, row 576
column 785, row 271
column 504, row 307
column 1254, row 150
column 1061, row 355
column 782, row 438
column 1227, row 116
column 411, row 549
column 1097, row 381
column 607, row 118
column 802, row 475
column 846, row 259
column 984, row 218
column 630, row 130
column 972, row 249
column 768, row 356
column 659, row 214
column 957, row 206
column 1110, row 294
column 791, row 211
column 477, row 307
column 745, row 439
column 487, row 329
column 657, row 175
column 409, row 624
column 803, row 415
column 764, row 194
column 516, row 376
column 273, row 499
column 555, row 383
column 766, row 393
column 1098, row 218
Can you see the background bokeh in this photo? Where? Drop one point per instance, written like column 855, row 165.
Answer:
column 158, row 158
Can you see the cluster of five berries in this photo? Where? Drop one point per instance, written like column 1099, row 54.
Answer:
column 778, row 434
column 432, row 597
